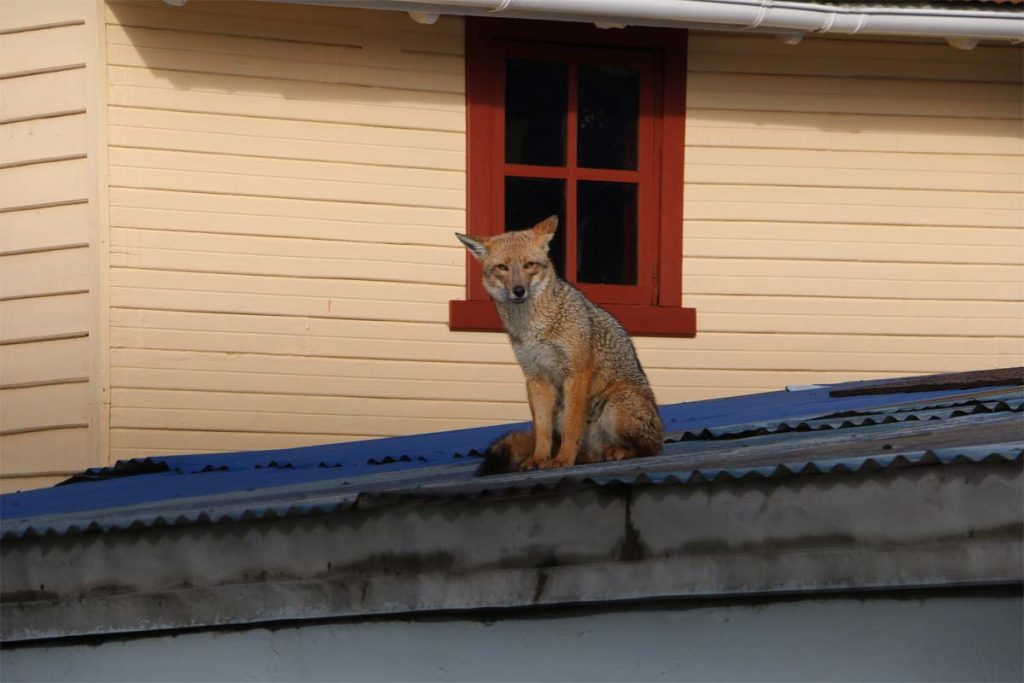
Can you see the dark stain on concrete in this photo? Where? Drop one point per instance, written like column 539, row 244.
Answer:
column 632, row 547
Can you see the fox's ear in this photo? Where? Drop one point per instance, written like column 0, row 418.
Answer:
column 477, row 247
column 545, row 230
column 547, row 226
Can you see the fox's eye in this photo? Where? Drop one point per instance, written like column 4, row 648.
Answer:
column 531, row 264
column 502, row 267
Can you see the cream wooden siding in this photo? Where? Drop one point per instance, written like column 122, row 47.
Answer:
column 51, row 405
column 853, row 208
column 285, row 182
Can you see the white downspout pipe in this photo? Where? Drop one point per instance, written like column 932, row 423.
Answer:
column 772, row 16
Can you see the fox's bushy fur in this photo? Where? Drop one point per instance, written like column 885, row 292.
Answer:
column 589, row 397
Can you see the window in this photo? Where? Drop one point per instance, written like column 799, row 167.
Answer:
column 586, row 124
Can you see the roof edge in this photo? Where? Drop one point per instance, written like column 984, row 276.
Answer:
column 787, row 17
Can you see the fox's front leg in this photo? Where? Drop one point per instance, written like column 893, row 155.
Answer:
column 542, row 396
column 575, row 404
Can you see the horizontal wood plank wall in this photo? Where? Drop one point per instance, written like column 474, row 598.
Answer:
column 47, row 233
column 853, row 209
column 285, row 182
column 284, row 185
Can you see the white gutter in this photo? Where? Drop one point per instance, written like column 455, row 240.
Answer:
column 960, row 26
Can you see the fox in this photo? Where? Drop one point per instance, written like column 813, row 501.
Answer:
column 589, row 397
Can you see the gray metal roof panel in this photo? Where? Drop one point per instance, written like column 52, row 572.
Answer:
column 669, row 473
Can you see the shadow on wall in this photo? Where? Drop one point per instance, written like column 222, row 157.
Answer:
column 382, row 59
column 318, row 55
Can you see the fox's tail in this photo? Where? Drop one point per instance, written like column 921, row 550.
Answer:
column 507, row 454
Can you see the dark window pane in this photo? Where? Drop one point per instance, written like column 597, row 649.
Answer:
column 528, row 201
column 606, row 242
column 608, row 116
column 536, row 94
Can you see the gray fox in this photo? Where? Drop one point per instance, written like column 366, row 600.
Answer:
column 589, row 397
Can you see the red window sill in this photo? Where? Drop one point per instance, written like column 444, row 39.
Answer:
column 646, row 321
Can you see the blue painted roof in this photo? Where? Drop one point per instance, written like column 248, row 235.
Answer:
column 167, row 479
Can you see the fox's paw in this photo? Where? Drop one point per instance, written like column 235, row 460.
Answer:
column 555, row 463
column 534, row 464
column 612, row 453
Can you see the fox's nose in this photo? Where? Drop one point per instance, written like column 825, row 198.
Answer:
column 519, row 291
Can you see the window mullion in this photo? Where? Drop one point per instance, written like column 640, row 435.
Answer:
column 529, row 171
column 611, row 175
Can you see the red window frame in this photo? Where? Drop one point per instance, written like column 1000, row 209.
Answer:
column 653, row 305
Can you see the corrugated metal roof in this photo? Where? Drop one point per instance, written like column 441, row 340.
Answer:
column 454, row 483
column 763, row 436
column 993, row 453
column 928, row 410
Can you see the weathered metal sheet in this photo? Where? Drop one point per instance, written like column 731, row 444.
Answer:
column 945, row 524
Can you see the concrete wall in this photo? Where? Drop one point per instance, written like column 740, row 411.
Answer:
column 53, row 398
column 938, row 638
